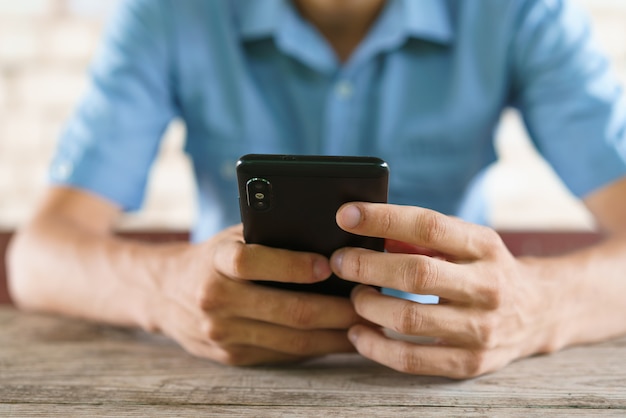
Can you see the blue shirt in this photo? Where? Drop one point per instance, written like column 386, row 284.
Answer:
column 424, row 91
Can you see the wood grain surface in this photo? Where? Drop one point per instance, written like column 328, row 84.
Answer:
column 52, row 366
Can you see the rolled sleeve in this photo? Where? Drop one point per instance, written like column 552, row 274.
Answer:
column 570, row 99
column 110, row 142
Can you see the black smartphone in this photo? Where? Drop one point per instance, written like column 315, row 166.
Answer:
column 290, row 201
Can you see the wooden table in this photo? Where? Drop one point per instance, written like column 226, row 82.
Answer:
column 52, row 366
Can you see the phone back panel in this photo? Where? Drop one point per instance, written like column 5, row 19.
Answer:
column 305, row 194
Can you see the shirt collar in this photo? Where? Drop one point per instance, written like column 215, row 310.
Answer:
column 428, row 20
column 401, row 19
column 423, row 19
column 258, row 19
column 278, row 19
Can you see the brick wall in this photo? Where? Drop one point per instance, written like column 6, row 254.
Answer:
column 45, row 46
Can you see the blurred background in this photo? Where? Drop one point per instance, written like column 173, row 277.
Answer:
column 46, row 46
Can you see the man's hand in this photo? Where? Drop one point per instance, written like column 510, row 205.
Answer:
column 211, row 307
column 493, row 308
column 201, row 295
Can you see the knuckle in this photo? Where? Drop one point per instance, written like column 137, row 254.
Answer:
column 407, row 320
column 386, row 222
column 239, row 261
column 365, row 347
column 474, row 364
column 486, row 331
column 431, row 227
column 215, row 331
column 494, row 297
column 552, row 345
column 206, row 302
column 355, row 264
column 421, row 275
column 409, row 275
column 210, row 300
column 493, row 292
column 492, row 242
column 301, row 312
column 301, row 344
column 194, row 349
column 295, row 267
column 410, row 361
column 232, row 356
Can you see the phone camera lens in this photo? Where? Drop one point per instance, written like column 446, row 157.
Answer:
column 259, row 194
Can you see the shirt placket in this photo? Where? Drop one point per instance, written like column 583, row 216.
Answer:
column 339, row 116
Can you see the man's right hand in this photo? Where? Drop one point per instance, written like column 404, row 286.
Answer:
column 212, row 308
column 67, row 260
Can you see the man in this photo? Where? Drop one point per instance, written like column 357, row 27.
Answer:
column 420, row 84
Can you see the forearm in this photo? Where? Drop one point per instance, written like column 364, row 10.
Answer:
column 59, row 267
column 587, row 288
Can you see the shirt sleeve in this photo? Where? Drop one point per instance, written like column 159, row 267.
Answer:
column 570, row 100
column 110, row 142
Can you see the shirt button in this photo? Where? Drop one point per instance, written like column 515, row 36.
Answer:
column 61, row 171
column 344, row 89
column 228, row 170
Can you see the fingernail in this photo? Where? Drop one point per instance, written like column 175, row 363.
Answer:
column 337, row 260
column 359, row 288
column 350, row 216
column 353, row 335
column 321, row 269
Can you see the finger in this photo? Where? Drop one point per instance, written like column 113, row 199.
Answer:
column 244, row 332
column 236, row 259
column 414, row 274
column 457, row 326
column 294, row 309
column 431, row 360
column 238, row 355
column 202, row 337
column 418, row 226
column 393, row 246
